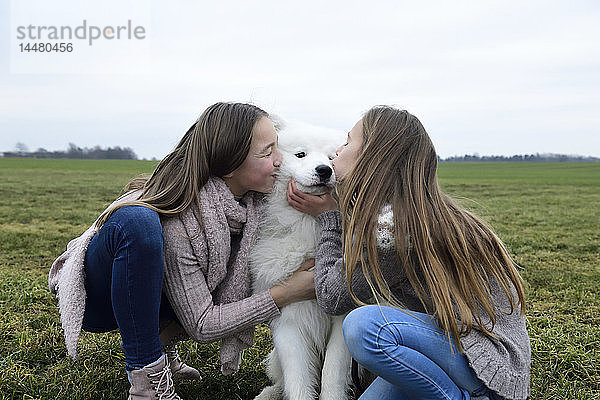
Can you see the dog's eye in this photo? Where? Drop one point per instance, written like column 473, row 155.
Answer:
column 300, row 154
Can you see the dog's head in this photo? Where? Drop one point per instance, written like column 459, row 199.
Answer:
column 307, row 153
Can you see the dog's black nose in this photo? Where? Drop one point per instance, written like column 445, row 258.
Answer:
column 324, row 172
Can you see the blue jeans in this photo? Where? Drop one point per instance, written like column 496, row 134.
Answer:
column 410, row 355
column 124, row 278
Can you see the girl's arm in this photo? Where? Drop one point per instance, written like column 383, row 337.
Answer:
column 187, row 290
column 331, row 286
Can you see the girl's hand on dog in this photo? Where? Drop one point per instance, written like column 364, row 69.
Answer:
column 298, row 287
column 309, row 203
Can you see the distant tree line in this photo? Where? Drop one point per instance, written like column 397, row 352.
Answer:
column 126, row 153
column 96, row 153
column 523, row 158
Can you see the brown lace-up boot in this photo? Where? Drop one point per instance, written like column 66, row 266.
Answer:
column 153, row 382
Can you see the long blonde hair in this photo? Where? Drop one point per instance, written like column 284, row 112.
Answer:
column 215, row 145
column 448, row 254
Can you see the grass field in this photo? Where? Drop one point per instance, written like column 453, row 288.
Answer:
column 548, row 214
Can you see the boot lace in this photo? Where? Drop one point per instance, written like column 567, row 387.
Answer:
column 172, row 353
column 165, row 390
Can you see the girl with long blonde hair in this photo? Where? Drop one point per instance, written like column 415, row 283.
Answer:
column 453, row 326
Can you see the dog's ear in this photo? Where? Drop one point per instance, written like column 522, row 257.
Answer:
column 278, row 122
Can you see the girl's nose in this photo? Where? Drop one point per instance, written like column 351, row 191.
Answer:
column 278, row 158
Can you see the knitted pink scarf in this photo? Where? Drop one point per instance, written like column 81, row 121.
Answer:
column 227, row 274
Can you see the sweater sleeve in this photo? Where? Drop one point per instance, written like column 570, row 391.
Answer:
column 331, row 287
column 186, row 288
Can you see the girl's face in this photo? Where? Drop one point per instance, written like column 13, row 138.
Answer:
column 259, row 170
column 347, row 154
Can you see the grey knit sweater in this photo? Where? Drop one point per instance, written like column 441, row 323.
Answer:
column 502, row 364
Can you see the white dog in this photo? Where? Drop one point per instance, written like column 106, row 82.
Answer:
column 310, row 357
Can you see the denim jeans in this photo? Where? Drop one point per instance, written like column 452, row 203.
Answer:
column 124, row 278
column 410, row 355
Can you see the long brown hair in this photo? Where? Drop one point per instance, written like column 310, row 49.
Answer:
column 215, row 145
column 448, row 254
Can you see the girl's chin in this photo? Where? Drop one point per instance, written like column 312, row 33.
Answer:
column 268, row 188
column 337, row 172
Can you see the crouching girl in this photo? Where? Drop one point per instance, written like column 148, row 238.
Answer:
column 457, row 328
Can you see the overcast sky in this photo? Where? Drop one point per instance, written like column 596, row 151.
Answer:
column 487, row 77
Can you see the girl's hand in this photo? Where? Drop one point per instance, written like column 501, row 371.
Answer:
column 309, row 203
column 298, row 287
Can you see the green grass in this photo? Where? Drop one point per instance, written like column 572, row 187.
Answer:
column 547, row 213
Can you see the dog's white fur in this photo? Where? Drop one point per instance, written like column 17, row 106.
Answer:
column 310, row 357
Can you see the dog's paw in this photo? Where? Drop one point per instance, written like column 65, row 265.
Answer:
column 270, row 393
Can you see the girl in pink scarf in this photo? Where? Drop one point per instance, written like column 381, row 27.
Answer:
column 168, row 260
